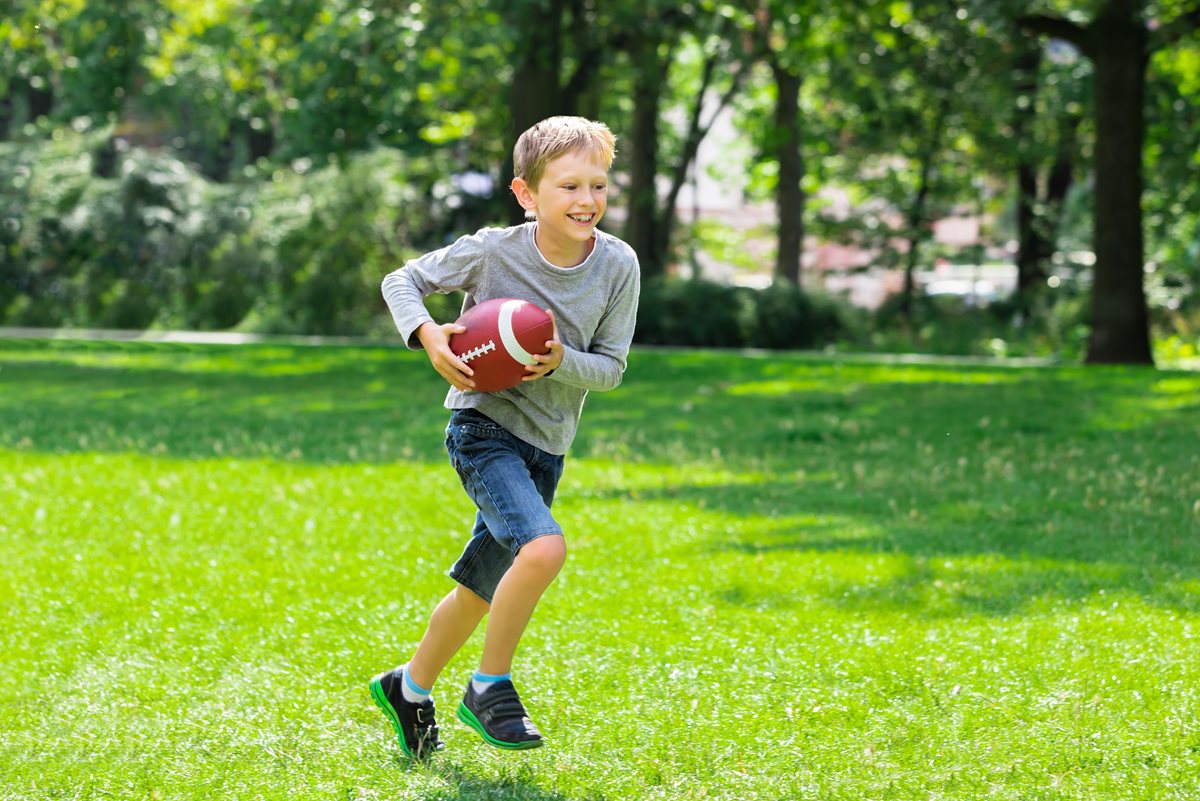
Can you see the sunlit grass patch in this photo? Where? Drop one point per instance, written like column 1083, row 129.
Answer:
column 789, row 578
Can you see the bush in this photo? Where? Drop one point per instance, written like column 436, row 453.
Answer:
column 701, row 313
column 954, row 326
column 785, row 317
column 690, row 312
column 140, row 239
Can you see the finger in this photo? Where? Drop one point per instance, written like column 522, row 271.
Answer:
column 456, row 378
column 451, row 361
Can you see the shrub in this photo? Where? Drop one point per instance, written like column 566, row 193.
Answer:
column 701, row 313
column 691, row 312
column 785, row 317
column 93, row 235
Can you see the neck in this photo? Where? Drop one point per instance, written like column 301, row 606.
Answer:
column 572, row 254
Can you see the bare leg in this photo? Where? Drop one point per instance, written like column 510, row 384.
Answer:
column 532, row 571
column 450, row 626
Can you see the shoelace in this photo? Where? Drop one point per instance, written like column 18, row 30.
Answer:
column 426, row 732
column 428, row 738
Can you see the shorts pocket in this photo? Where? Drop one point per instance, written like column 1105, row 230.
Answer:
column 476, row 424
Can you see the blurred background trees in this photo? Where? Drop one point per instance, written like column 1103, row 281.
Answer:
column 259, row 164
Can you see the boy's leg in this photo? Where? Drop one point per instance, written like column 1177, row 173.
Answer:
column 512, row 484
column 414, row 717
column 533, row 570
column 451, row 625
column 491, row 705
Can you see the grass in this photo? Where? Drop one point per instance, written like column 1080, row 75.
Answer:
column 790, row 578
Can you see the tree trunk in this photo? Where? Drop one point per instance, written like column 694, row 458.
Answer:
column 41, row 102
column 1118, row 44
column 579, row 95
column 1120, row 321
column 260, row 143
column 916, row 225
column 1058, row 183
column 691, row 145
column 6, row 115
column 789, row 193
column 1030, row 270
column 535, row 93
column 916, row 212
column 641, row 226
column 1039, row 212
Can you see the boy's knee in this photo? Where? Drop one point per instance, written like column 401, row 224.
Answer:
column 547, row 553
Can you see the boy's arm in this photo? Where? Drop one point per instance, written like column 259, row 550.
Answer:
column 602, row 366
column 449, row 269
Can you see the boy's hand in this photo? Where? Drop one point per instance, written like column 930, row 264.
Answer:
column 436, row 341
column 548, row 362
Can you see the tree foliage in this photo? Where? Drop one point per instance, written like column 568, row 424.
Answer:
column 168, row 116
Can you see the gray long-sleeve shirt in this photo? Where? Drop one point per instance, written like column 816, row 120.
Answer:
column 594, row 303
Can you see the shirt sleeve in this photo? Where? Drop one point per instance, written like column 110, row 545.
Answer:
column 602, row 365
column 450, row 269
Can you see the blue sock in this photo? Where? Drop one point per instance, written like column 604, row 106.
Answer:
column 481, row 681
column 413, row 692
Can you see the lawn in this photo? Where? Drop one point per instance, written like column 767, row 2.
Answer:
column 791, row 577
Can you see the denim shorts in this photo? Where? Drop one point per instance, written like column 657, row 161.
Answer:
column 512, row 484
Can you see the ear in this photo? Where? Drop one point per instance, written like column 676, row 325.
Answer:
column 520, row 188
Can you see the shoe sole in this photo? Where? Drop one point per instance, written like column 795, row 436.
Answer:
column 468, row 717
column 389, row 712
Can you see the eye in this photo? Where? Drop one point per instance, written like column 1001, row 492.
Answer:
column 600, row 187
column 569, row 187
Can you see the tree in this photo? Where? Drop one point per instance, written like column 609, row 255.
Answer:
column 918, row 95
column 541, row 85
column 783, row 31
column 60, row 60
column 1119, row 41
column 1045, row 127
column 719, row 33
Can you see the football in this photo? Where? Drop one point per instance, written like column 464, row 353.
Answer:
column 502, row 336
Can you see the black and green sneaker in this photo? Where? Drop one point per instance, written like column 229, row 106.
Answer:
column 499, row 717
column 414, row 723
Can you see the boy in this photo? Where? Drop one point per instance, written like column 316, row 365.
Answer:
column 508, row 446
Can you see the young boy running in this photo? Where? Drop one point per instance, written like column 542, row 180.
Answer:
column 508, row 446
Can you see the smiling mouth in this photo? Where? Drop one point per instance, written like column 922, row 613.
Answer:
column 582, row 218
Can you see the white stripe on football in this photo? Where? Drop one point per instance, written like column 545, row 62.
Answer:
column 507, row 309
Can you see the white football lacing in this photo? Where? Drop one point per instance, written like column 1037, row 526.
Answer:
column 476, row 352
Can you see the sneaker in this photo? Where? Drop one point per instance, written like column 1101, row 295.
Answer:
column 414, row 723
column 498, row 716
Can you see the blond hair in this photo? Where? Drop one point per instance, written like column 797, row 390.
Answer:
column 555, row 136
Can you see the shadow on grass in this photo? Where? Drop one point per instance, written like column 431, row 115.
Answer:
column 351, row 405
column 515, row 783
column 324, row 405
column 1028, row 483
column 967, row 546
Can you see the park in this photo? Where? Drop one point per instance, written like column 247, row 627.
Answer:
column 941, row 547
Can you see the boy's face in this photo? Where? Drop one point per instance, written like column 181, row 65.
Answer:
column 570, row 198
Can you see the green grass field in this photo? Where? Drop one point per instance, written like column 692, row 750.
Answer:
column 791, row 577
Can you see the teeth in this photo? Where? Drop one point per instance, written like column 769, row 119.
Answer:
column 581, row 217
